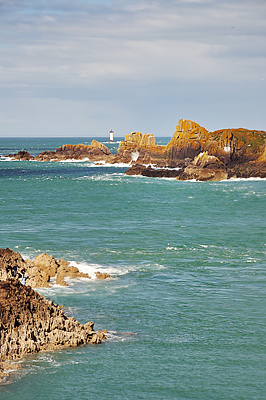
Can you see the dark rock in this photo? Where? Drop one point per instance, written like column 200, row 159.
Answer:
column 22, row 156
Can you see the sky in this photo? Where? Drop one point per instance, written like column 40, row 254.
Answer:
column 78, row 68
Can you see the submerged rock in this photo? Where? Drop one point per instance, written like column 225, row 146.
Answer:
column 102, row 275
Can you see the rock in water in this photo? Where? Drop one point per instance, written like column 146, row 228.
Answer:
column 94, row 152
column 29, row 323
column 39, row 271
column 206, row 168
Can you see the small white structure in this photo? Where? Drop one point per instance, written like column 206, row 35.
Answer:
column 111, row 135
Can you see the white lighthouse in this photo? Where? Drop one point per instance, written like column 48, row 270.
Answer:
column 111, row 135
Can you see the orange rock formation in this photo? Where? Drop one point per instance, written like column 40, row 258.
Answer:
column 190, row 139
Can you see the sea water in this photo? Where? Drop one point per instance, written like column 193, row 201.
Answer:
column 186, row 303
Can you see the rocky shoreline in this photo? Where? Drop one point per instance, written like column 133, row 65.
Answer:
column 38, row 272
column 29, row 323
column 192, row 153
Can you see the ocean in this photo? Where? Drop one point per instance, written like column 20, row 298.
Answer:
column 186, row 303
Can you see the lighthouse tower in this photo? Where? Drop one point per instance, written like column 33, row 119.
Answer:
column 111, row 135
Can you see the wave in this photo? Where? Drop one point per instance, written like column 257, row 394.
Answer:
column 244, row 179
column 91, row 269
column 83, row 266
column 115, row 336
column 5, row 158
column 95, row 163
column 72, row 160
column 108, row 142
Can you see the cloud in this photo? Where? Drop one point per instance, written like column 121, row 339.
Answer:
column 93, row 50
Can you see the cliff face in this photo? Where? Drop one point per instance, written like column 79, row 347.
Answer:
column 229, row 145
column 188, row 140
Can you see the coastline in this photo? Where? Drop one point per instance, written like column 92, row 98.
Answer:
column 192, row 151
column 29, row 322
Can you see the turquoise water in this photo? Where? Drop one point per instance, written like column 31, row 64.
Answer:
column 187, row 261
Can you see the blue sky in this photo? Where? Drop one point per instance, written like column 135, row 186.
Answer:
column 80, row 68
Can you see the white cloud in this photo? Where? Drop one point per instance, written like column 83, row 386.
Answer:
column 87, row 50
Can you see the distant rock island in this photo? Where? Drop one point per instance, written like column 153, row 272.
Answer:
column 192, row 153
column 28, row 322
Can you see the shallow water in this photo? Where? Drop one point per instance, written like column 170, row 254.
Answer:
column 187, row 261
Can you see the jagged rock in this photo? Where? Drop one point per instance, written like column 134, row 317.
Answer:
column 206, row 168
column 89, row 326
column 190, row 139
column 102, row 275
column 142, row 148
column 236, row 148
column 22, row 156
column 29, row 323
column 251, row 169
column 136, row 169
column 47, row 264
column 144, row 170
column 94, row 151
column 36, row 278
column 66, row 270
column 39, row 271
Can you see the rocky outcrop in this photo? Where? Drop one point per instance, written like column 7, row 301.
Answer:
column 252, row 169
column 29, row 323
column 94, row 152
column 38, row 272
column 22, row 156
column 187, row 141
column 229, row 145
column 139, row 169
column 205, row 168
column 242, row 151
column 141, row 148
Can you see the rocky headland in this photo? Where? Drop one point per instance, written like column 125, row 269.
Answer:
column 198, row 153
column 30, row 323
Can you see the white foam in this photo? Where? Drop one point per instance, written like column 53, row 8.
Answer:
column 91, row 269
column 115, row 336
column 115, row 165
column 119, row 141
column 4, row 158
column 104, row 177
column 72, row 160
column 244, row 179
